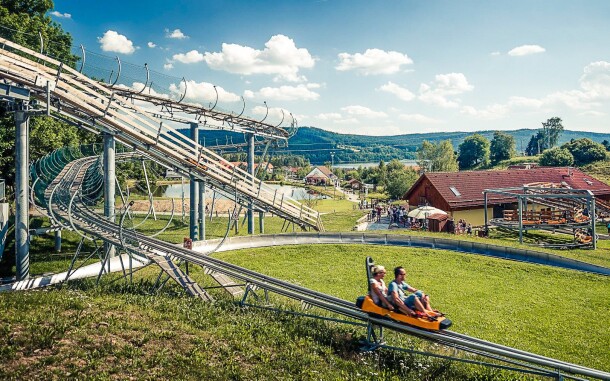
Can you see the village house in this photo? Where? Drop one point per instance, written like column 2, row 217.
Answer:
column 320, row 175
column 290, row 172
column 461, row 193
column 355, row 184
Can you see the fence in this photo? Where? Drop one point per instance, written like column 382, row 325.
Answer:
column 473, row 247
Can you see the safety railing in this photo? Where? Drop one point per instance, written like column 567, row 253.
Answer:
column 482, row 248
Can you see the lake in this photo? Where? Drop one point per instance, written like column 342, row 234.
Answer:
column 407, row 162
column 175, row 191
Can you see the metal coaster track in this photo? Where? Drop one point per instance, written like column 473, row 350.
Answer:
column 67, row 207
column 73, row 97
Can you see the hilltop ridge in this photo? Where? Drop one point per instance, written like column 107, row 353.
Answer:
column 316, row 144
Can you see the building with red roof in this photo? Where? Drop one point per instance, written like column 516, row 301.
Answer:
column 320, row 175
column 461, row 193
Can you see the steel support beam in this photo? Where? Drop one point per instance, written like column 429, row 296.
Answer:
column 194, row 192
column 485, row 211
column 58, row 241
column 520, row 203
column 261, row 222
column 22, row 239
column 202, row 210
column 109, row 183
column 593, row 218
column 250, row 138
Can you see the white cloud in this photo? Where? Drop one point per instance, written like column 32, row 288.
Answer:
column 151, row 44
column 523, row 102
column 495, row 111
column 594, row 90
column 418, row 118
column 525, row 50
column 364, row 112
column 596, row 79
column 203, row 92
column 444, row 85
column 400, row 92
column 191, row 57
column 176, row 33
column 61, row 15
column 273, row 113
column 280, row 57
column 329, row 116
column 168, row 66
column 285, row 93
column 495, row 54
column 593, row 113
column 111, row 41
column 373, row 61
column 347, row 121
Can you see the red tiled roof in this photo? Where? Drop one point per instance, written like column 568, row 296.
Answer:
column 470, row 184
column 325, row 170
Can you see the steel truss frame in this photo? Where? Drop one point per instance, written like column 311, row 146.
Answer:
column 525, row 193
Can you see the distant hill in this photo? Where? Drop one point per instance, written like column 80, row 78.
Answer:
column 317, row 144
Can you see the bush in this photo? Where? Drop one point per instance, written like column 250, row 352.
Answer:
column 556, row 157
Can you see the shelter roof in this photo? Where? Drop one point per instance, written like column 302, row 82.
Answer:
column 438, row 216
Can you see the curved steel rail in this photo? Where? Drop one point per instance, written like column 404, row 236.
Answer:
column 96, row 225
column 88, row 103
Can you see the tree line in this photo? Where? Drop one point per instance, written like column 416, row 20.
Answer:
column 477, row 152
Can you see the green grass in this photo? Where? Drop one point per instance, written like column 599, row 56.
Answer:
column 554, row 312
column 117, row 331
column 599, row 169
column 515, row 161
column 600, row 257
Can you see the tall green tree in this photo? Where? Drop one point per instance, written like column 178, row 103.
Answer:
column 438, row 157
column 545, row 138
column 585, row 151
column 21, row 21
column 474, row 150
column 502, row 147
column 400, row 181
column 536, row 144
column 552, row 130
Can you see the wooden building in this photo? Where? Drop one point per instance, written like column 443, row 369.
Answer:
column 461, row 193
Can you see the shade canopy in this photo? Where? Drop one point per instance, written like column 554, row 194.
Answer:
column 424, row 211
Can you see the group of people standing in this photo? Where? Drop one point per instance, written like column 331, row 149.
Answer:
column 463, row 227
column 399, row 296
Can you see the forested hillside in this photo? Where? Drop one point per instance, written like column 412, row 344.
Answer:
column 317, row 144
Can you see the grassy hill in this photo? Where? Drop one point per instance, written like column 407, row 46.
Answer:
column 316, row 144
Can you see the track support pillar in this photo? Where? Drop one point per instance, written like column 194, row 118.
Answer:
column 250, row 138
column 22, row 202
column 202, row 210
column 194, row 192
column 109, row 184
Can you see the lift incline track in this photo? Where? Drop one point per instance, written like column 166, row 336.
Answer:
column 66, row 207
column 84, row 102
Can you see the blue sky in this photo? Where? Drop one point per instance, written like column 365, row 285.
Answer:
column 371, row 67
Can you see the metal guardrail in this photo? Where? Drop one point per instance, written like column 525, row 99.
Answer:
column 481, row 248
